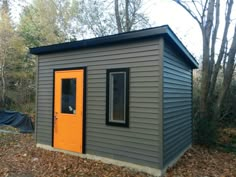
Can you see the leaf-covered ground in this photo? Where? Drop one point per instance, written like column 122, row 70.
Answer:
column 20, row 158
column 199, row 162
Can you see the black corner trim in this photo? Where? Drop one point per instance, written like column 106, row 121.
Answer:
column 126, row 70
column 84, row 110
column 53, row 102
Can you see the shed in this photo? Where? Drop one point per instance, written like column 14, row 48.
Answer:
column 124, row 98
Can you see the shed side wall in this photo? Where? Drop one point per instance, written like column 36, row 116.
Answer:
column 140, row 143
column 177, row 104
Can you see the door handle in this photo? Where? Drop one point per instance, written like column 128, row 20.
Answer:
column 55, row 116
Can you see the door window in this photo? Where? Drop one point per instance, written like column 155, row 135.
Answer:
column 68, row 103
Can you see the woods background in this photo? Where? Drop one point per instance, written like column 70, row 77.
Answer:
column 44, row 22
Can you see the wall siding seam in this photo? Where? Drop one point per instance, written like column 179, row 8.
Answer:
column 96, row 52
column 103, row 61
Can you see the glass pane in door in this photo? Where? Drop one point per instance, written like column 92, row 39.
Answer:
column 68, row 103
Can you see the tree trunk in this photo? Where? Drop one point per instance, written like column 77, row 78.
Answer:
column 206, row 33
column 213, row 43
column 229, row 70
column 127, row 21
column 117, row 15
column 204, row 79
column 3, row 83
column 222, row 49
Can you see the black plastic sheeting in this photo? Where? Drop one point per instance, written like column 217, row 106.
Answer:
column 17, row 120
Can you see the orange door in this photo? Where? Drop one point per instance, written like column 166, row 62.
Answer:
column 68, row 110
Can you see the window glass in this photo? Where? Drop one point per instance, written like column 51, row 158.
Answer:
column 117, row 100
column 68, row 102
column 117, row 96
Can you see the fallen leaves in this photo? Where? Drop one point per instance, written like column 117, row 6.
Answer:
column 19, row 157
column 200, row 161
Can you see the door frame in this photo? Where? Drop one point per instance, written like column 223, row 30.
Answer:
column 84, row 103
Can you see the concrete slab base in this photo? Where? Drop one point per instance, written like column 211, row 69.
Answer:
column 139, row 168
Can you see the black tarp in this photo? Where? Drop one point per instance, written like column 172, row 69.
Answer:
column 16, row 120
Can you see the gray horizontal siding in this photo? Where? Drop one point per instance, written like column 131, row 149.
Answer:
column 140, row 143
column 177, row 104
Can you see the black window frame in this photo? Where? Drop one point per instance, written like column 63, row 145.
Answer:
column 108, row 121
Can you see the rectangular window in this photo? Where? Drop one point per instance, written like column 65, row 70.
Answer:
column 68, row 103
column 117, row 97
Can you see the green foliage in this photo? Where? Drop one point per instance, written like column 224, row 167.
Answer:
column 17, row 69
column 47, row 22
column 44, row 22
column 38, row 24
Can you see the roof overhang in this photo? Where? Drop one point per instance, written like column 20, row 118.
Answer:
column 164, row 31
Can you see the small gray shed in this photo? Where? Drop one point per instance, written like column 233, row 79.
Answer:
column 126, row 98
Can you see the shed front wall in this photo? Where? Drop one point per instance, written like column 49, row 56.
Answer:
column 177, row 105
column 141, row 143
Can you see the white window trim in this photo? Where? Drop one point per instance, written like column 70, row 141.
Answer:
column 111, row 97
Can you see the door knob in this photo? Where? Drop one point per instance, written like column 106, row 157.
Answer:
column 55, row 116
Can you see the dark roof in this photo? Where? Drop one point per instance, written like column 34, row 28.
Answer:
column 164, row 31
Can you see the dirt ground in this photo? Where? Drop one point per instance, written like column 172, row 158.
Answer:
column 20, row 158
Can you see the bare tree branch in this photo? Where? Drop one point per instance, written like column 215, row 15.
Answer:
column 189, row 11
column 205, row 8
column 196, row 8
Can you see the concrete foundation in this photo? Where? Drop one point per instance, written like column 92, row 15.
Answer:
column 140, row 168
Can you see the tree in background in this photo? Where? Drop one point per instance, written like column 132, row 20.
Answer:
column 47, row 22
column 17, row 69
column 39, row 23
column 95, row 18
column 44, row 22
column 102, row 17
column 52, row 21
column 128, row 15
column 5, row 32
column 11, row 49
column 207, row 15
